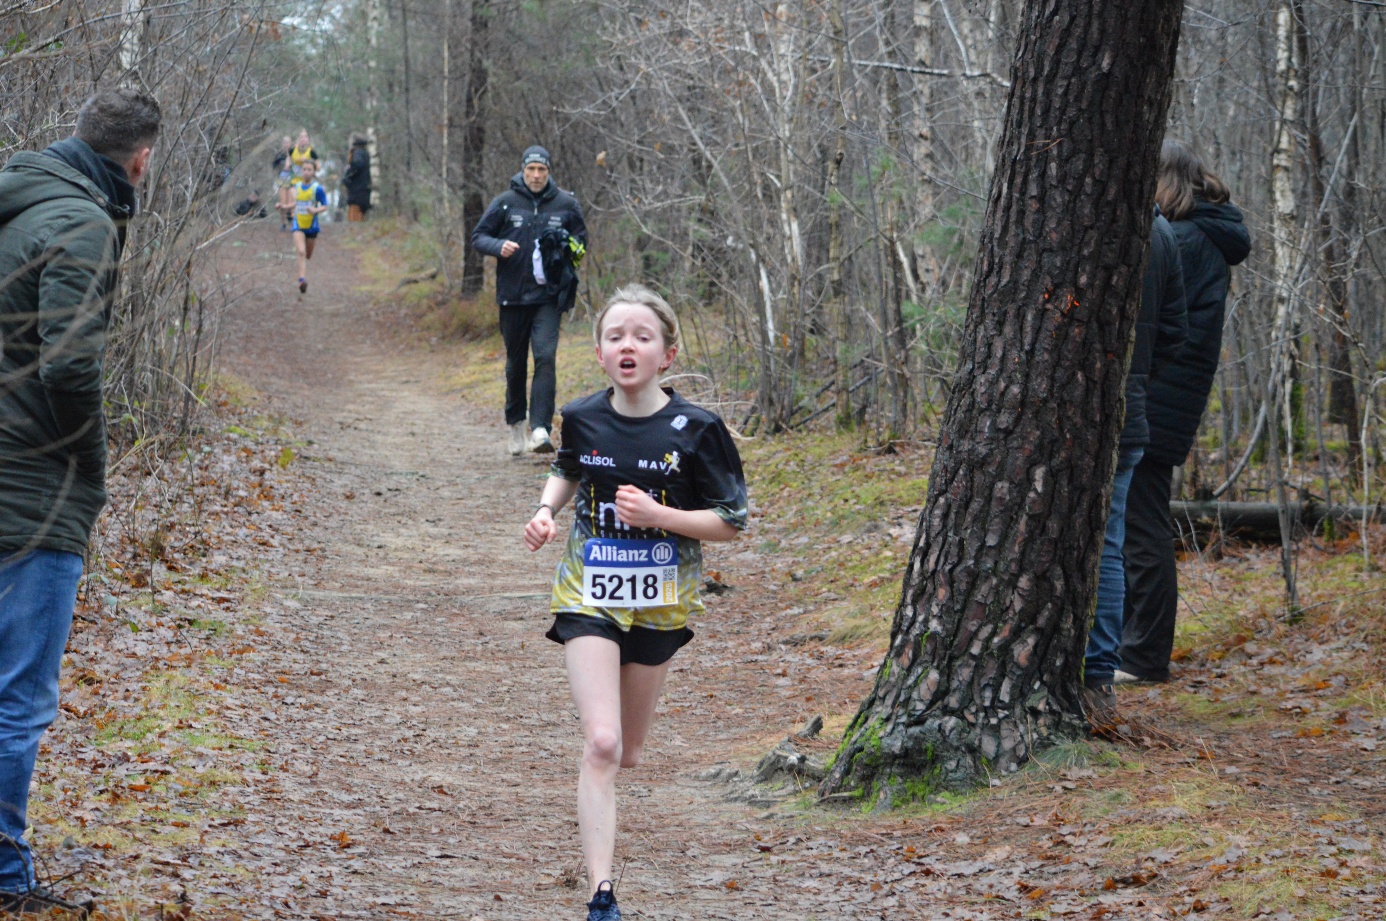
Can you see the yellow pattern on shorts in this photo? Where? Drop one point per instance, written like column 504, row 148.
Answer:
column 567, row 589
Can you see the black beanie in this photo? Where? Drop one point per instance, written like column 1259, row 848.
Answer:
column 535, row 154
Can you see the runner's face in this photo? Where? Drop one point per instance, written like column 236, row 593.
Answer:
column 632, row 350
column 303, row 142
column 309, row 171
column 536, row 177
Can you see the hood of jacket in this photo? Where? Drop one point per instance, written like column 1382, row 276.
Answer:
column 1224, row 227
column 30, row 178
column 517, row 184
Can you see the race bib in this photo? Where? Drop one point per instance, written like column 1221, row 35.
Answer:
column 630, row 573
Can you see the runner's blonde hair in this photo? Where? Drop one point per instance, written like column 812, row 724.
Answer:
column 641, row 296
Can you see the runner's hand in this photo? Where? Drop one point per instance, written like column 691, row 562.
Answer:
column 637, row 508
column 540, row 530
column 508, row 249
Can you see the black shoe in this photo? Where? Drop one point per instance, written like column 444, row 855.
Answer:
column 303, row 286
column 41, row 900
column 603, row 904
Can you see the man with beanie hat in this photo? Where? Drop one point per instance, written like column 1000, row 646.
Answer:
column 529, row 305
column 63, row 215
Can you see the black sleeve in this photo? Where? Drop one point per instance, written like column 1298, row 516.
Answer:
column 717, row 474
column 1173, row 330
column 486, row 237
column 565, row 462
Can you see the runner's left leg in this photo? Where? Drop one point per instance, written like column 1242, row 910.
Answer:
column 641, row 686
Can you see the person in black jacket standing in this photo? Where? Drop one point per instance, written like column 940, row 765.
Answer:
column 357, row 181
column 529, row 307
column 1161, row 329
column 1212, row 238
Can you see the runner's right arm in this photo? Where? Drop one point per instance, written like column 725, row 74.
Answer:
column 492, row 223
column 541, row 529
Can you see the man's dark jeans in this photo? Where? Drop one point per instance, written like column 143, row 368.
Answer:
column 523, row 328
column 1152, row 578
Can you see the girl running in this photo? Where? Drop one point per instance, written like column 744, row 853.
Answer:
column 653, row 476
column 291, row 171
column 309, row 201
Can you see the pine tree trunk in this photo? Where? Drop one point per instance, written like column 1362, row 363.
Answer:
column 987, row 645
column 474, row 143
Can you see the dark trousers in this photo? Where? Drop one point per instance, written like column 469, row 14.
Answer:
column 1152, row 579
column 525, row 328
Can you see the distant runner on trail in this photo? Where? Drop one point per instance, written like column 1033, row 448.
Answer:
column 310, row 200
column 283, row 178
column 653, row 476
column 530, row 293
column 300, row 153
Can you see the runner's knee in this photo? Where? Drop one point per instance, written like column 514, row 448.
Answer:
column 603, row 748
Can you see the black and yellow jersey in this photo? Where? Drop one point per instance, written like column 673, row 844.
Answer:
column 683, row 456
column 300, row 155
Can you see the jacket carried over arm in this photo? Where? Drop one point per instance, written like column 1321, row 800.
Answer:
column 1211, row 240
column 522, row 216
column 59, row 250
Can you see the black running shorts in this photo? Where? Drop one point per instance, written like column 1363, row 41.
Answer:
column 639, row 645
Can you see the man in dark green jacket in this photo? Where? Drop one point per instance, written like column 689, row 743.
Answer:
column 63, row 214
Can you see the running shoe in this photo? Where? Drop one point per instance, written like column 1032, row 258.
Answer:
column 516, row 438
column 603, row 904
column 539, row 441
column 303, row 286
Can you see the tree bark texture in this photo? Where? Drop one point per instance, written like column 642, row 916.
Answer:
column 987, row 644
column 474, row 140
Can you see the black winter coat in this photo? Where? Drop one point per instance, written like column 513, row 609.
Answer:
column 1211, row 239
column 1161, row 328
column 520, row 215
column 357, row 179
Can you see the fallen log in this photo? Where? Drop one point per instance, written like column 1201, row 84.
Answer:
column 416, row 279
column 1261, row 520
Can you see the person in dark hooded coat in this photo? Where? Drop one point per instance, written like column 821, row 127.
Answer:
column 357, row 181
column 1212, row 238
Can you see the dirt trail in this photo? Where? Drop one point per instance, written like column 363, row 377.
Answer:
column 421, row 748
column 427, row 719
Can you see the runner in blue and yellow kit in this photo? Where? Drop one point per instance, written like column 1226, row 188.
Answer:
column 653, row 476
column 310, row 200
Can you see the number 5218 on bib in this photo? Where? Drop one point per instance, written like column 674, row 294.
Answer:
column 630, row 573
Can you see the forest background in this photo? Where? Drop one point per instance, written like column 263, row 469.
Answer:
column 805, row 180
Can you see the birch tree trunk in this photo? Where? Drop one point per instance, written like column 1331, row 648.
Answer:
column 837, row 303
column 921, row 143
column 1286, row 260
column 374, row 16
column 987, row 644
column 131, row 41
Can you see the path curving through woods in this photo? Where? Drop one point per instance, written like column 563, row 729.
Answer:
column 434, row 731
